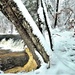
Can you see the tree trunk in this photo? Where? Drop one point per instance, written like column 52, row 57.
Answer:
column 11, row 11
column 56, row 17
column 47, row 25
column 10, row 59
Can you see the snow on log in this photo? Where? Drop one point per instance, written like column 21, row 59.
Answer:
column 16, row 12
column 33, row 25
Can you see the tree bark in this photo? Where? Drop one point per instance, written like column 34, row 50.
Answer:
column 47, row 26
column 10, row 59
column 56, row 17
column 11, row 11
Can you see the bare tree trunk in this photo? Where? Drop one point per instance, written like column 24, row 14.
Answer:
column 56, row 17
column 46, row 22
column 11, row 11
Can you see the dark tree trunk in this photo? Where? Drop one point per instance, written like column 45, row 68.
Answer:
column 46, row 22
column 56, row 16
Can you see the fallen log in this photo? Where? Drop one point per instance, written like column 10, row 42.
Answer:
column 2, row 51
column 29, row 66
column 10, row 59
column 13, row 62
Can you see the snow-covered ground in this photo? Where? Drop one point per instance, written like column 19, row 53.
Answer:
column 62, row 60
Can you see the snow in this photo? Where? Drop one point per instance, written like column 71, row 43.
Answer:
column 61, row 63
column 64, row 47
column 60, row 4
column 40, row 12
column 48, row 21
column 36, row 31
column 11, row 44
column 62, row 60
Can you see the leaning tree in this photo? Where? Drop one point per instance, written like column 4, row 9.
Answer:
column 11, row 10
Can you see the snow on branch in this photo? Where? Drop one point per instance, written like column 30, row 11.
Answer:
column 33, row 25
column 48, row 21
